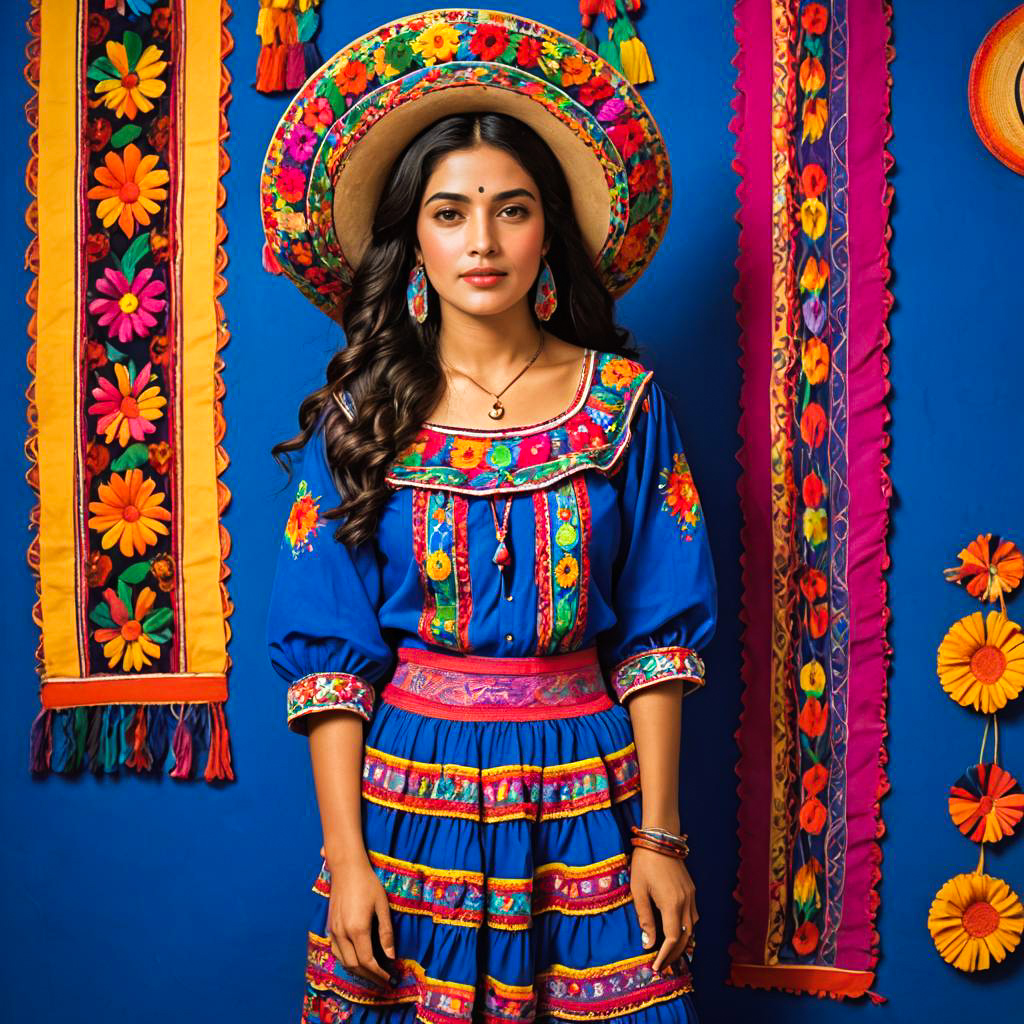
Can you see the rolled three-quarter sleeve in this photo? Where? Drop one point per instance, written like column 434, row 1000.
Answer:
column 664, row 590
column 323, row 630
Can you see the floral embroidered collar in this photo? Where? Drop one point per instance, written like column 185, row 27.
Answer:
column 592, row 433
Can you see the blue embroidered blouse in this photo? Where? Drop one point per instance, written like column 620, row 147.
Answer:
column 606, row 539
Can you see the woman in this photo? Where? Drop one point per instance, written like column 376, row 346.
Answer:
column 489, row 853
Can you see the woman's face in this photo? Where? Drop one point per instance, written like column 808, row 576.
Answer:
column 480, row 208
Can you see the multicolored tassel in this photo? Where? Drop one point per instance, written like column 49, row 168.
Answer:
column 106, row 737
column 289, row 54
column 623, row 48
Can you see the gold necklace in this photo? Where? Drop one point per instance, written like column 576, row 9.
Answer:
column 497, row 410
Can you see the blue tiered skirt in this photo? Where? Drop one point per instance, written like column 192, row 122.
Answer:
column 498, row 795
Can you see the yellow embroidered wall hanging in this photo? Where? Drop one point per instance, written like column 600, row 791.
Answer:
column 128, row 119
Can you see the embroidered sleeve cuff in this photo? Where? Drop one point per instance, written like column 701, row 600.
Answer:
column 658, row 665
column 327, row 691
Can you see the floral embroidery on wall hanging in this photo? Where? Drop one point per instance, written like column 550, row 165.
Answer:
column 125, row 401
column 812, row 123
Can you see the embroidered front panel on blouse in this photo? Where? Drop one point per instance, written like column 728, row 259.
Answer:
column 562, row 564
column 592, row 433
column 441, row 550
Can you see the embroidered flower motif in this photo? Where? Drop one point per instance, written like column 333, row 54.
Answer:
column 438, row 42
column 981, row 664
column 303, row 521
column 467, row 452
column 975, row 919
column 805, row 888
column 299, row 143
column 567, row 571
column 129, row 77
column 438, row 565
column 618, row 373
column 575, row 71
column 815, row 525
column 680, row 501
column 129, row 636
column 813, row 717
column 988, row 573
column 535, row 450
column 489, row 42
column 986, row 803
column 584, row 433
column 527, row 52
column 128, row 408
column 351, row 77
column 129, row 513
column 814, row 779
column 128, row 188
column 812, row 679
column 813, row 218
column 127, row 311
column 291, row 183
column 814, row 360
column 398, row 54
column 499, row 455
column 813, row 815
column 805, row 938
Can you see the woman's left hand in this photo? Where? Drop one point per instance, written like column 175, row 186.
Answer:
column 664, row 881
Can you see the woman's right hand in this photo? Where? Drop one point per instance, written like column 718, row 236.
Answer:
column 350, row 915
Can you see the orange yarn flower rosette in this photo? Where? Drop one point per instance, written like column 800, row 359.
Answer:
column 981, row 661
column 975, row 920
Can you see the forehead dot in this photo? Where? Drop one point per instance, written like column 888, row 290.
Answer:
column 481, row 188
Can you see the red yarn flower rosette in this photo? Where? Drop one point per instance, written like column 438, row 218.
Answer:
column 986, row 803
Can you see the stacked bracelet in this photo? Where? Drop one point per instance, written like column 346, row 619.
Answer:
column 660, row 841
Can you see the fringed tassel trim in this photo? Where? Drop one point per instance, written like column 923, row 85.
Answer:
column 288, row 55
column 623, row 48
column 145, row 738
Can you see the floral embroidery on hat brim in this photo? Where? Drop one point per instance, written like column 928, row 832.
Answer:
column 408, row 57
column 593, row 436
column 367, row 111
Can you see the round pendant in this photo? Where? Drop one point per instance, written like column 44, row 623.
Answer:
column 496, row 411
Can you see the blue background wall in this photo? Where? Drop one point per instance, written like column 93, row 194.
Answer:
column 126, row 898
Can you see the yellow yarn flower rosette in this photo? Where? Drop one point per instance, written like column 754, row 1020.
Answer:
column 981, row 661
column 975, row 919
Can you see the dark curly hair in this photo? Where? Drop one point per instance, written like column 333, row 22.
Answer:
column 390, row 365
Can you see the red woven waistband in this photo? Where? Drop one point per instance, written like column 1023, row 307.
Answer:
column 480, row 688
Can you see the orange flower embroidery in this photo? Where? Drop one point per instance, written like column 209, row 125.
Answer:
column 681, row 500
column 303, row 520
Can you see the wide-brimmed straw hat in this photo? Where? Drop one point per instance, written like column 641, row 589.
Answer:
column 995, row 90
column 331, row 152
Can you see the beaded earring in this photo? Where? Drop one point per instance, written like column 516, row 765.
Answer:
column 416, row 293
column 546, row 298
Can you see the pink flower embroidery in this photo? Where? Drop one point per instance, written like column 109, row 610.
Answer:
column 128, row 310
column 535, row 449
